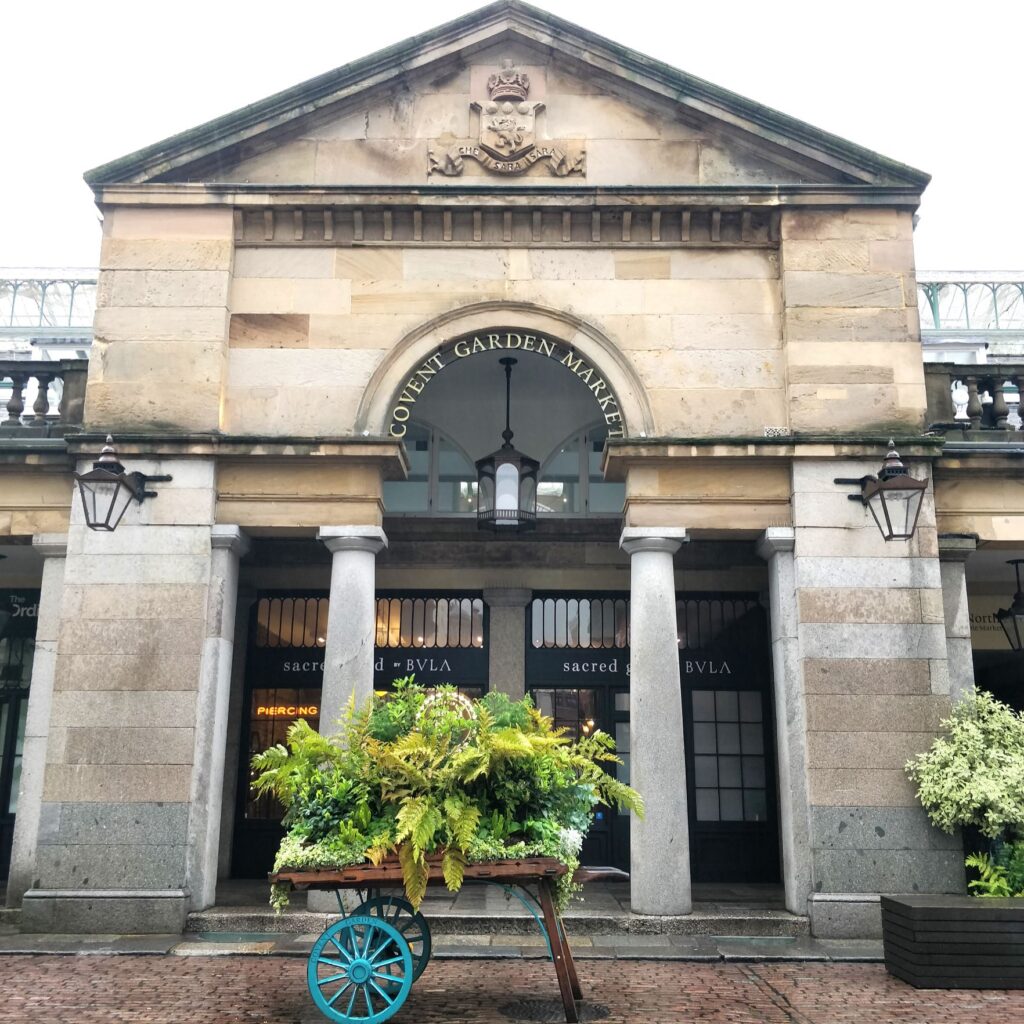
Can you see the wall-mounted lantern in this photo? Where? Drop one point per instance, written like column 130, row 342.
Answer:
column 1012, row 618
column 507, row 479
column 894, row 496
column 107, row 490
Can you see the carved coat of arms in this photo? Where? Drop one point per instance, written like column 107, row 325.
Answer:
column 508, row 133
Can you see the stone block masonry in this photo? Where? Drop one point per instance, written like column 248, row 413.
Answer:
column 128, row 828
column 873, row 659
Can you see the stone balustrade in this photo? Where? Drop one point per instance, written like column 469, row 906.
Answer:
column 41, row 397
column 985, row 397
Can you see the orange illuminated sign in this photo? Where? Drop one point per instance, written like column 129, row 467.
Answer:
column 287, row 711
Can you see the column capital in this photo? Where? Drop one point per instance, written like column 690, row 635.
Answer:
column 957, row 547
column 775, row 540
column 230, row 538
column 353, row 538
column 652, row 538
column 507, row 597
column 50, row 545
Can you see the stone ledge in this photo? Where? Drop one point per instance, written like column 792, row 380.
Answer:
column 105, row 911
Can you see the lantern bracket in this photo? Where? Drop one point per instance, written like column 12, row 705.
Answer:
column 860, row 481
column 138, row 482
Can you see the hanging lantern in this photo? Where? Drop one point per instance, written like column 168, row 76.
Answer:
column 507, row 479
column 894, row 497
column 107, row 490
column 1012, row 618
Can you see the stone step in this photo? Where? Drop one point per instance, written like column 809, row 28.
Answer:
column 732, row 922
column 10, row 919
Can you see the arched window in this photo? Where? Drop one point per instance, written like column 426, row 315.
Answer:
column 442, row 478
column 441, row 481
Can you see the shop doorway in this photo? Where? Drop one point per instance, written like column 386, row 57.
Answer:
column 577, row 670
column 437, row 637
column 17, row 646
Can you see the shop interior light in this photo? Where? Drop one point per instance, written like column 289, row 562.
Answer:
column 1012, row 618
column 894, row 496
column 507, row 492
column 107, row 490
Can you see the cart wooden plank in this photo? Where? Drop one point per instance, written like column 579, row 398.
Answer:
column 363, row 876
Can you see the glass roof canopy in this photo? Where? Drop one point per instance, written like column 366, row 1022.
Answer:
column 971, row 303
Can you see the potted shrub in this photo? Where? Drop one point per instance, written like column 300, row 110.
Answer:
column 416, row 775
column 971, row 778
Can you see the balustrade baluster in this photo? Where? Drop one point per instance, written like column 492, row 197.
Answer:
column 42, row 403
column 999, row 409
column 1013, row 420
column 16, row 403
column 974, row 406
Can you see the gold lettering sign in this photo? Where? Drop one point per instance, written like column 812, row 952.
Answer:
column 471, row 345
column 287, row 711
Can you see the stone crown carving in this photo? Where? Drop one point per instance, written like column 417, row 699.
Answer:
column 508, row 84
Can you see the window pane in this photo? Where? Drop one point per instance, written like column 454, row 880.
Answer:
column 622, row 737
column 726, row 706
column 456, row 483
column 705, row 771
column 572, row 617
column 753, row 771
column 728, row 738
column 544, row 702
column 755, row 805
column 418, row 617
column 729, row 772
column 703, row 706
column 750, row 706
column 753, row 739
column 538, row 623
column 584, row 614
column 622, row 700
column 704, row 738
column 707, row 805
column 732, row 804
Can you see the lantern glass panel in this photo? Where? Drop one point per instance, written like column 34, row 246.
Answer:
column 506, row 494
column 1012, row 621
column 105, row 497
column 895, row 509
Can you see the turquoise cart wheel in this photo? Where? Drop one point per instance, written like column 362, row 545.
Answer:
column 360, row 971
column 412, row 924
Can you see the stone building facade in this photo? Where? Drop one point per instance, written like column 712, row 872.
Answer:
column 301, row 307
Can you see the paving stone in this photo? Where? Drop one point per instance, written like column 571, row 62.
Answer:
column 272, row 990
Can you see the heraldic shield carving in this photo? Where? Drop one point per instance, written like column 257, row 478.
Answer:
column 508, row 134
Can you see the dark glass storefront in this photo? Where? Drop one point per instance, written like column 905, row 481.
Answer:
column 18, row 611
column 577, row 671
column 725, row 674
column 436, row 637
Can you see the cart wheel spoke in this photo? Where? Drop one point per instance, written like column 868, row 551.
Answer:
column 388, row 1000
column 333, row 977
column 338, row 993
column 334, row 963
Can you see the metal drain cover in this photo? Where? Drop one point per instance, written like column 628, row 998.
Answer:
column 551, row 1010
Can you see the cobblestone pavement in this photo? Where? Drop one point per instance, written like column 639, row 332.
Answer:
column 130, row 989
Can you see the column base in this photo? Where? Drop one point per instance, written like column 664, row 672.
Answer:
column 105, row 911
column 845, row 915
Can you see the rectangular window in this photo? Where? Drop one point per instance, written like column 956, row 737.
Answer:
column 729, row 771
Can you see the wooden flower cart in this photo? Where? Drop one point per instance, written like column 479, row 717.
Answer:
column 361, row 969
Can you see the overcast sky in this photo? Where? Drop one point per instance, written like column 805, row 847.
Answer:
column 936, row 85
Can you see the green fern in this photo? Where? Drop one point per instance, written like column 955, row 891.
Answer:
column 994, row 880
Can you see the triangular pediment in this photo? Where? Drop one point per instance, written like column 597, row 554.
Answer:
column 566, row 108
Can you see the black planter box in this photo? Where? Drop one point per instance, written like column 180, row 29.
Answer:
column 954, row 941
